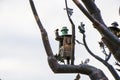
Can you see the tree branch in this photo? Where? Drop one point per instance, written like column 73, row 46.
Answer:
column 110, row 67
column 43, row 31
column 73, row 34
column 94, row 73
column 108, row 57
column 95, row 18
column 93, row 10
column 99, row 26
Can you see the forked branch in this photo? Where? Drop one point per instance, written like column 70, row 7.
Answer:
column 110, row 67
column 102, row 28
column 110, row 40
column 92, row 72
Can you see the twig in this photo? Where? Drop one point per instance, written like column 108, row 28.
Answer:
column 73, row 35
column 108, row 56
column 110, row 67
column 100, row 27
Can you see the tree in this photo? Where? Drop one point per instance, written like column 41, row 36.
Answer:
column 109, row 39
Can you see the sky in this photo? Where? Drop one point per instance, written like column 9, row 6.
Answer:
column 22, row 55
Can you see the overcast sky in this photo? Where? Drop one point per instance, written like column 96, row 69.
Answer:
column 22, row 55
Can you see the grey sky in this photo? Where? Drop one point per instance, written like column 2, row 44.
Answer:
column 22, row 56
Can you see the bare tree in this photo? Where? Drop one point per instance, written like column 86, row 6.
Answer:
column 108, row 38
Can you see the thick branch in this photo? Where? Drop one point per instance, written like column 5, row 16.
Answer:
column 99, row 26
column 92, row 72
column 97, row 21
column 93, row 10
column 43, row 31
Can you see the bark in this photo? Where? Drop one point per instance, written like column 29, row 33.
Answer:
column 92, row 72
column 94, row 15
